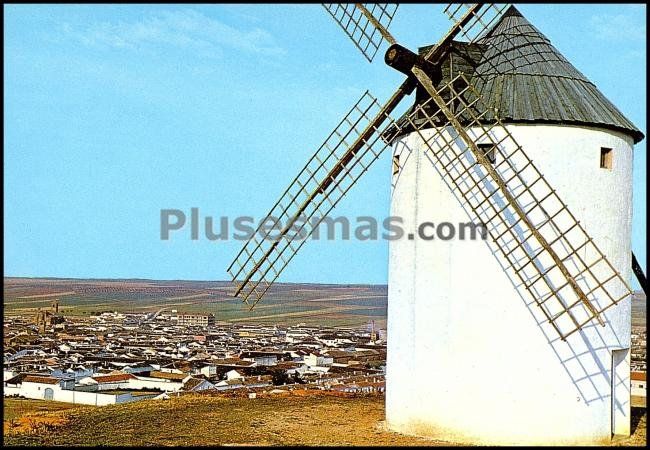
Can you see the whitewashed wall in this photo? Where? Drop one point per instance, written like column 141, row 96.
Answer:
column 8, row 374
column 30, row 390
column 10, row 391
column 469, row 357
column 37, row 391
column 154, row 383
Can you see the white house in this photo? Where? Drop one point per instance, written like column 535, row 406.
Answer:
column 209, row 371
column 138, row 368
column 75, row 372
column 638, row 384
column 313, row 360
column 164, row 381
column 8, row 374
column 228, row 384
column 42, row 387
column 108, row 382
column 197, row 384
column 233, row 375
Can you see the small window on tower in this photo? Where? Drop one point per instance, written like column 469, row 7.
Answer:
column 395, row 164
column 606, row 157
column 488, row 151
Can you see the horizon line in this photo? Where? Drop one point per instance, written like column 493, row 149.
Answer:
column 186, row 280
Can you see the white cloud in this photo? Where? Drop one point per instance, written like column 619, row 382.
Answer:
column 187, row 29
column 620, row 27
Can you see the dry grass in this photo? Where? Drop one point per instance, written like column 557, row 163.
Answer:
column 201, row 420
column 31, row 417
column 205, row 420
column 15, row 408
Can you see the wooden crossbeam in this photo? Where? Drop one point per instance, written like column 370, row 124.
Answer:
column 427, row 84
column 384, row 32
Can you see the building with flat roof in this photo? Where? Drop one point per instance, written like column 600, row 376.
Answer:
column 196, row 319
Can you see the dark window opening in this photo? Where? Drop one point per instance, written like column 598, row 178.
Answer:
column 488, row 151
column 395, row 164
column 606, row 158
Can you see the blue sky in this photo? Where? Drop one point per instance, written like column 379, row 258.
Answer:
column 114, row 112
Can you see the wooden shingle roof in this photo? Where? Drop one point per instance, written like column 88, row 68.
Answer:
column 516, row 70
column 528, row 80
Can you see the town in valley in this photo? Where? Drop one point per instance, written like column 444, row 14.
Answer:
column 65, row 348
column 99, row 356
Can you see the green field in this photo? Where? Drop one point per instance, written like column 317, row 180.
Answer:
column 335, row 305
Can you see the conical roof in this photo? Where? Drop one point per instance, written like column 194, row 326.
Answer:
column 528, row 80
column 516, row 70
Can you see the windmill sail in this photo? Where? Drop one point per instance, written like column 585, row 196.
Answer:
column 348, row 152
column 542, row 242
column 548, row 250
column 475, row 19
column 365, row 24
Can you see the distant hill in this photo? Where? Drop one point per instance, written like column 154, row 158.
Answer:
column 322, row 304
column 286, row 303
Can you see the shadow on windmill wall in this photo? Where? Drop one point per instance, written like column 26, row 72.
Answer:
column 585, row 355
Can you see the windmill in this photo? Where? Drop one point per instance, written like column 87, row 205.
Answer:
column 512, row 340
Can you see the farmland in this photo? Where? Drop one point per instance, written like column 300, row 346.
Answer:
column 285, row 303
column 336, row 305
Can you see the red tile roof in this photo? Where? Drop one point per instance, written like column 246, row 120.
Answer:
column 37, row 379
column 113, row 378
column 638, row 376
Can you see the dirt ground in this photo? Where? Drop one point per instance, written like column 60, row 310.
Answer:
column 203, row 420
column 639, row 428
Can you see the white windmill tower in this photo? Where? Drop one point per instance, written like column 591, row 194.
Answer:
column 513, row 339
